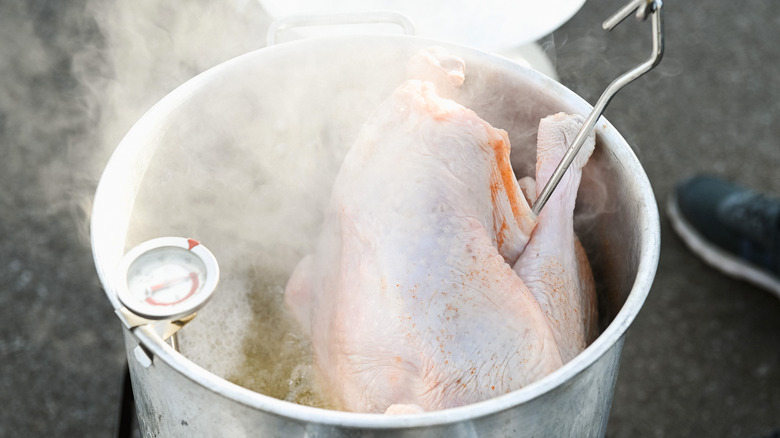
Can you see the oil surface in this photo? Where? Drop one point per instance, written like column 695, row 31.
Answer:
column 277, row 358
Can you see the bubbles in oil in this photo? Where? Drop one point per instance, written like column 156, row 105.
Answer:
column 247, row 337
column 277, row 359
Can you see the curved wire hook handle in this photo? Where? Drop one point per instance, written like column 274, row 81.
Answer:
column 643, row 8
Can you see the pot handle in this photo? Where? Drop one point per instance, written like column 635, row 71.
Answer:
column 309, row 20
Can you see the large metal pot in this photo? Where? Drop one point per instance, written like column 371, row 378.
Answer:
column 256, row 119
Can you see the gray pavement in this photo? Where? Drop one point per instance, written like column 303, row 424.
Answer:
column 702, row 358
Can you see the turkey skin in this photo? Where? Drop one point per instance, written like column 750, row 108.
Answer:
column 429, row 286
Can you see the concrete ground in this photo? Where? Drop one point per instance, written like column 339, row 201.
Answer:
column 701, row 359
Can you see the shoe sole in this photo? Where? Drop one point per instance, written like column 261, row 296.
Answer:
column 724, row 261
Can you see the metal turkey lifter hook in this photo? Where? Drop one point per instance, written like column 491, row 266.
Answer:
column 641, row 8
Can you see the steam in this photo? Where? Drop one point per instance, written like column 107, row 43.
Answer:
column 150, row 47
column 37, row 103
column 125, row 56
column 244, row 167
column 81, row 75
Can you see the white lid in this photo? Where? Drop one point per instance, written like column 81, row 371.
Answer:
column 492, row 25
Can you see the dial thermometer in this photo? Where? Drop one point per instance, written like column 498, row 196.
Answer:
column 168, row 278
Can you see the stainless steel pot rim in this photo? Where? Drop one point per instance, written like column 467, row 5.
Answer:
column 104, row 254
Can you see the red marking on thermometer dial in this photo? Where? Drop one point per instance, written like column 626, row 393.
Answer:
column 193, row 277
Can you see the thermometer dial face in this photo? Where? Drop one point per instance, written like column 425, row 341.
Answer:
column 167, row 278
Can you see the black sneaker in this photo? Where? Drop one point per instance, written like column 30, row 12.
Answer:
column 733, row 229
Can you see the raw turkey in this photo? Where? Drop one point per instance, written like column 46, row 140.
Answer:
column 432, row 284
column 554, row 265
